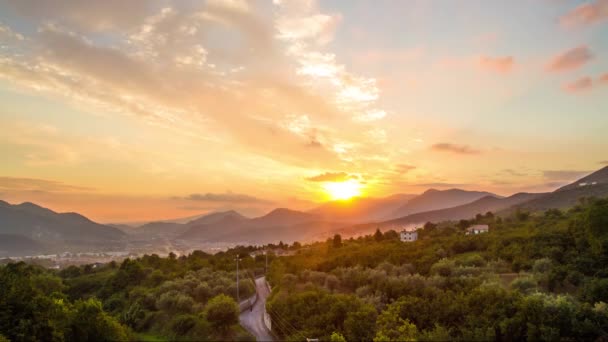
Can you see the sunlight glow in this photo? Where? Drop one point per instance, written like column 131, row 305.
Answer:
column 343, row 190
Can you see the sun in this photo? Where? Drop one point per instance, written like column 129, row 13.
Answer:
column 343, row 190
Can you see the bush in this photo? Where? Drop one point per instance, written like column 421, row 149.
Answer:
column 222, row 312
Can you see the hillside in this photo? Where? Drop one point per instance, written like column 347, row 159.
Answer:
column 596, row 178
column 361, row 209
column 438, row 199
column 592, row 185
column 17, row 245
column 38, row 223
column 278, row 224
column 465, row 211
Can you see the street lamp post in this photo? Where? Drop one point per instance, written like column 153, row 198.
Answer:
column 266, row 265
column 238, row 298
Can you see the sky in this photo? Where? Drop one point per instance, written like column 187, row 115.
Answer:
column 130, row 111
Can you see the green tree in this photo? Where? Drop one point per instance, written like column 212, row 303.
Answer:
column 337, row 241
column 90, row 323
column 360, row 325
column 222, row 312
column 378, row 235
column 337, row 337
column 391, row 327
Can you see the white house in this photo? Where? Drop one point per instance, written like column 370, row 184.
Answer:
column 409, row 235
column 477, row 229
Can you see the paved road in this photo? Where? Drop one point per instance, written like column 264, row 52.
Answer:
column 253, row 320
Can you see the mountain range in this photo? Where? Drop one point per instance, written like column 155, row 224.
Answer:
column 37, row 229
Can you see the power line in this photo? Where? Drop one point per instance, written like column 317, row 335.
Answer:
column 281, row 325
column 284, row 322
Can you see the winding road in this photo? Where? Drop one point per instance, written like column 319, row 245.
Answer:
column 252, row 320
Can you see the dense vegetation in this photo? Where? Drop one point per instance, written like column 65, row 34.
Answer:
column 540, row 276
column 186, row 298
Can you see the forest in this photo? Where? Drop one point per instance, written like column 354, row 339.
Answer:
column 533, row 276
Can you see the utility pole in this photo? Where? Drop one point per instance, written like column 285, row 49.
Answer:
column 266, row 265
column 238, row 298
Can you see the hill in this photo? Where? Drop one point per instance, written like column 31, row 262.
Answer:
column 465, row 211
column 17, row 245
column 361, row 209
column 279, row 224
column 38, row 223
column 593, row 185
column 438, row 199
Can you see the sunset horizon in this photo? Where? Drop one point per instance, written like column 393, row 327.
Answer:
column 184, row 108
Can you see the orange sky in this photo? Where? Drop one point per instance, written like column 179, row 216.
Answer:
column 151, row 110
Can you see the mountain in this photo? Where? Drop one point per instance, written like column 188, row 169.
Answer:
column 596, row 178
column 361, row 209
column 465, row 211
column 277, row 224
column 215, row 217
column 438, row 199
column 282, row 217
column 593, row 185
column 17, row 245
column 54, row 229
column 172, row 229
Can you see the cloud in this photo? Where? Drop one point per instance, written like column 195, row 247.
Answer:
column 139, row 66
column 404, row 168
column 440, row 185
column 604, row 162
column 564, row 175
column 570, row 60
column 331, row 177
column 228, row 197
column 454, row 148
column 582, row 84
column 16, row 184
column 498, row 64
column 514, row 173
column 586, row 14
column 90, row 16
column 603, row 79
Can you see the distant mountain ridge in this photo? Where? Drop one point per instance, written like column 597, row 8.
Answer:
column 592, row 185
column 30, row 227
column 361, row 209
column 29, row 224
column 433, row 199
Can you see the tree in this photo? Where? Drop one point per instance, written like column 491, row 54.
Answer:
column 90, row 323
column 222, row 312
column 378, row 235
column 360, row 325
column 337, row 337
column 337, row 241
column 391, row 327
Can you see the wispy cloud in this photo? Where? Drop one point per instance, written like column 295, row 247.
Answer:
column 498, row 64
column 570, row 60
column 228, row 197
column 564, row 175
column 404, row 168
column 331, row 177
column 586, row 14
column 440, row 185
column 582, row 84
column 455, row 148
column 38, row 185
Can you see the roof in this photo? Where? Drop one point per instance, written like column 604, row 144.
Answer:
column 410, row 231
column 479, row 227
